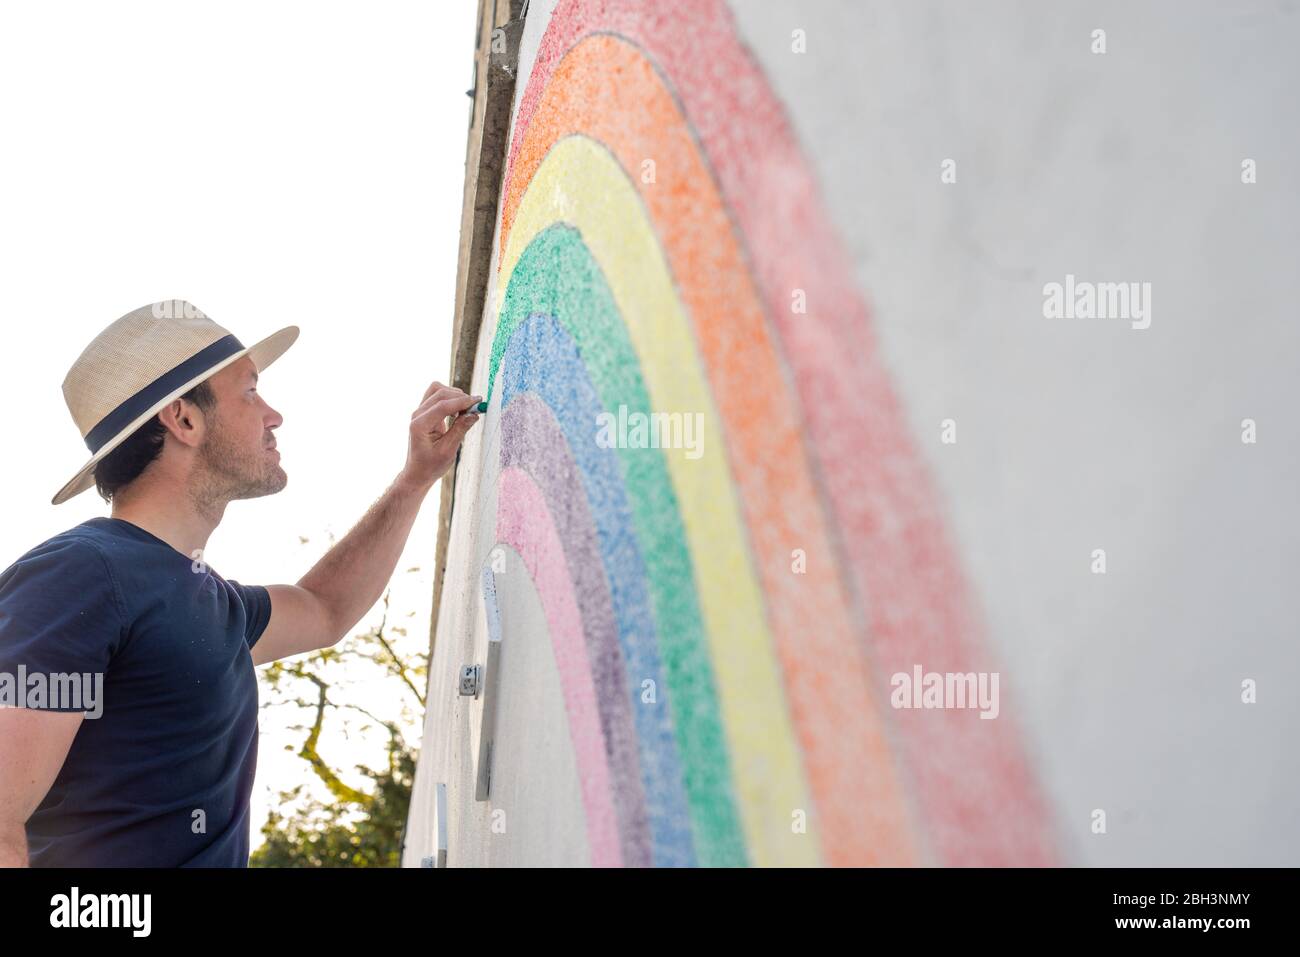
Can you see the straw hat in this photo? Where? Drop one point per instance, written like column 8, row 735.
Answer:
column 144, row 360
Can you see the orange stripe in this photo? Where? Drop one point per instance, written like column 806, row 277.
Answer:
column 606, row 89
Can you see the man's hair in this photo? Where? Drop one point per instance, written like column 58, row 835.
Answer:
column 126, row 462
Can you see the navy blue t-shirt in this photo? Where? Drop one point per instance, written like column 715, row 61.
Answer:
column 162, row 777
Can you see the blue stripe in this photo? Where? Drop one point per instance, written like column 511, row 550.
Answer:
column 543, row 358
column 140, row 403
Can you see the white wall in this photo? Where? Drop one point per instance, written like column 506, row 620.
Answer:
column 1073, row 434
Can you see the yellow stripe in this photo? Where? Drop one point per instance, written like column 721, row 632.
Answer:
column 581, row 184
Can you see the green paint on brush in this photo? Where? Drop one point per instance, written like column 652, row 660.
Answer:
column 556, row 276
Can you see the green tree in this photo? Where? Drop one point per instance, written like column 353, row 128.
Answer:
column 360, row 827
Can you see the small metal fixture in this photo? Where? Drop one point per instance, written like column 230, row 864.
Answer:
column 471, row 680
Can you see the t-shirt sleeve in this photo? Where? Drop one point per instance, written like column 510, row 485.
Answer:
column 257, row 609
column 61, row 613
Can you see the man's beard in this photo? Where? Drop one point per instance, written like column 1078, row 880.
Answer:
column 229, row 471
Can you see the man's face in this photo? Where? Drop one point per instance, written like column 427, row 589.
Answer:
column 238, row 454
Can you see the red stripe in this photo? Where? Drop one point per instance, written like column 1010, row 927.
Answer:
column 970, row 778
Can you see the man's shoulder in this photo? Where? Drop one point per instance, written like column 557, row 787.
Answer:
column 59, row 593
column 79, row 547
column 78, row 541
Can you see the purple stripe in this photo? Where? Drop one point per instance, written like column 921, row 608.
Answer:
column 532, row 440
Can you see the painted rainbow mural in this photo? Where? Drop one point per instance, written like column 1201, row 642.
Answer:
column 657, row 223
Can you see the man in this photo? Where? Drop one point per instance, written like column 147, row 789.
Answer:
column 158, row 769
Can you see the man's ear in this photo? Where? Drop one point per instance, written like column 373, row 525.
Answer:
column 183, row 420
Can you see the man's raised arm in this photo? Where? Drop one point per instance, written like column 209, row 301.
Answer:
column 331, row 598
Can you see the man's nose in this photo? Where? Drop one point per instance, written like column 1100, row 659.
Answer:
column 273, row 419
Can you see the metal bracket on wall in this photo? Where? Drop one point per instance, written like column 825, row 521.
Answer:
column 488, row 688
column 471, row 679
column 439, row 857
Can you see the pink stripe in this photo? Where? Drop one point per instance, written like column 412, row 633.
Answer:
column 524, row 523
column 975, row 789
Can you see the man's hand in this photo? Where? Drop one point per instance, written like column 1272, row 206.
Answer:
column 433, row 443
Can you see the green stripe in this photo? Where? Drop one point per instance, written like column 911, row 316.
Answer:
column 557, row 276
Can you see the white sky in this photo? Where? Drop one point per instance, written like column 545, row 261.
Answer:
column 272, row 164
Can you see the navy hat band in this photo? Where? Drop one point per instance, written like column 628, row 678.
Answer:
column 140, row 403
